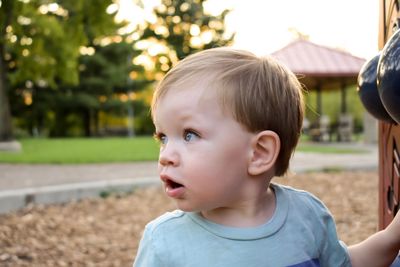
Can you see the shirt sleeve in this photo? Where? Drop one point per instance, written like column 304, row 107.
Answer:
column 146, row 255
column 332, row 251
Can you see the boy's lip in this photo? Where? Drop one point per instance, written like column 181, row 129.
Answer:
column 173, row 188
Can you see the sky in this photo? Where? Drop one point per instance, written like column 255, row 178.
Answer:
column 264, row 26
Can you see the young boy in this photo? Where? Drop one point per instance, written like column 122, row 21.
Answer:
column 228, row 122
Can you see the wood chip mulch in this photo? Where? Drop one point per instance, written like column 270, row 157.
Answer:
column 106, row 231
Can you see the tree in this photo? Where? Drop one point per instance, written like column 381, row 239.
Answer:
column 39, row 45
column 181, row 28
column 104, row 73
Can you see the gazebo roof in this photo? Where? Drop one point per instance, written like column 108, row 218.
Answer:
column 317, row 65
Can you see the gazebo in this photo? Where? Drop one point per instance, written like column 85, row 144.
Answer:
column 322, row 68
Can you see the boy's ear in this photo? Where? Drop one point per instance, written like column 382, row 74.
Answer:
column 265, row 150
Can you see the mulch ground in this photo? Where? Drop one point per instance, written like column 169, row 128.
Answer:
column 106, row 232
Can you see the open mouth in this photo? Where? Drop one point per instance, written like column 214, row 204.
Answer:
column 173, row 189
column 173, row 185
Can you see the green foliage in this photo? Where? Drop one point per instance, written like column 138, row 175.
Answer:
column 40, row 42
column 183, row 27
column 102, row 75
column 107, row 70
column 63, row 61
column 186, row 28
column 36, row 34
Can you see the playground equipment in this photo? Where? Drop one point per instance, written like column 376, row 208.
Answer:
column 379, row 90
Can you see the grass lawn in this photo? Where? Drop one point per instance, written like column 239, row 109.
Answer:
column 83, row 150
column 328, row 148
column 121, row 149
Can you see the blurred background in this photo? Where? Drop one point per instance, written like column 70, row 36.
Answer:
column 88, row 68
column 76, row 81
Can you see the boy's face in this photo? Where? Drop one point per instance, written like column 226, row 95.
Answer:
column 204, row 152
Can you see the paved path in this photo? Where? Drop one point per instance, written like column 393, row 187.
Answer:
column 17, row 176
column 21, row 184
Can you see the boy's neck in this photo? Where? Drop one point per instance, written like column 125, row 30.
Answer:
column 250, row 212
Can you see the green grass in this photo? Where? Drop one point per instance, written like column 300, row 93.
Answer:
column 328, row 149
column 83, row 150
column 101, row 150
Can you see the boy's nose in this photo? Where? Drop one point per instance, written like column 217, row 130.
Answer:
column 168, row 156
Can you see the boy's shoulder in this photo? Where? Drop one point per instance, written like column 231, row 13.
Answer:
column 302, row 199
column 167, row 220
column 293, row 192
column 170, row 215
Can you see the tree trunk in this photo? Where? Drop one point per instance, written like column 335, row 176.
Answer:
column 60, row 125
column 96, row 122
column 86, row 122
column 5, row 112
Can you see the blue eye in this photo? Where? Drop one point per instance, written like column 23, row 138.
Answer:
column 190, row 135
column 163, row 139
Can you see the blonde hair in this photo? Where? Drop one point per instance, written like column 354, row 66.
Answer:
column 261, row 93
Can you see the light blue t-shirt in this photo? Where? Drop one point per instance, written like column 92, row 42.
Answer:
column 301, row 233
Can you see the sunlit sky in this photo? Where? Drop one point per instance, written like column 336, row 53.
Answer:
column 263, row 26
